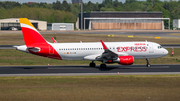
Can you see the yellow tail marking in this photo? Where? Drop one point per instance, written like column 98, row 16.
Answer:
column 25, row 21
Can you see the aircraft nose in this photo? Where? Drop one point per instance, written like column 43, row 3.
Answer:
column 165, row 52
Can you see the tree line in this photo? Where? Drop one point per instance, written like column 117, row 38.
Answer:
column 67, row 12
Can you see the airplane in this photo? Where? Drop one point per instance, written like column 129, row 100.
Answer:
column 122, row 53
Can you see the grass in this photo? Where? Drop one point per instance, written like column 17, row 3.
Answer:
column 90, row 88
column 15, row 57
column 17, row 39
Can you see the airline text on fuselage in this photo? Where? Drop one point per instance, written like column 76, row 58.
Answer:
column 132, row 48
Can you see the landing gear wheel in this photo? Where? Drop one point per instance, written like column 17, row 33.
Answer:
column 92, row 64
column 103, row 66
column 148, row 65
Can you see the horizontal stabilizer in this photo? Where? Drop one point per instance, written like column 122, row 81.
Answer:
column 33, row 49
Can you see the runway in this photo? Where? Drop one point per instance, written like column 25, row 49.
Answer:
column 86, row 70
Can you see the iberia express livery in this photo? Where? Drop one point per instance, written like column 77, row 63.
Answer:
column 123, row 53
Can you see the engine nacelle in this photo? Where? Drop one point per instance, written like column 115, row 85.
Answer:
column 125, row 60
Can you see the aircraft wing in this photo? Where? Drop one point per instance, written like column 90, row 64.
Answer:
column 108, row 54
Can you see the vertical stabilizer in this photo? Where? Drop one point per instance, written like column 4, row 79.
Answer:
column 30, row 33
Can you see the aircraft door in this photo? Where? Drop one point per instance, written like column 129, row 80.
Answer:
column 151, row 50
column 51, row 50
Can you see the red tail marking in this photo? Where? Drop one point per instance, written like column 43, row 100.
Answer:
column 32, row 37
column 46, row 50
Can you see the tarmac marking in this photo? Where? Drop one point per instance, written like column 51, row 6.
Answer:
column 66, row 68
column 88, row 74
column 109, row 67
column 152, row 67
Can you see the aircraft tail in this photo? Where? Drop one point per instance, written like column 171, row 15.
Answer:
column 30, row 33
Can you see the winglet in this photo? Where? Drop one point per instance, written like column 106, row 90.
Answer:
column 54, row 40
column 104, row 46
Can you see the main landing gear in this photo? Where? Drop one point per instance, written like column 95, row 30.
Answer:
column 92, row 64
column 148, row 65
column 103, row 66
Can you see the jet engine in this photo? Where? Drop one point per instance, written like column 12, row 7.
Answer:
column 125, row 60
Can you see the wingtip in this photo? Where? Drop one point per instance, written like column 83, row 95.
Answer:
column 54, row 40
column 104, row 46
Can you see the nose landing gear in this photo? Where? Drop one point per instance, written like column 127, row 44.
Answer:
column 148, row 65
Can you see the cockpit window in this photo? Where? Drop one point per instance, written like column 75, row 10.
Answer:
column 159, row 47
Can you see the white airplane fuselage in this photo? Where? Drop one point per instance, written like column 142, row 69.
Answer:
column 79, row 51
